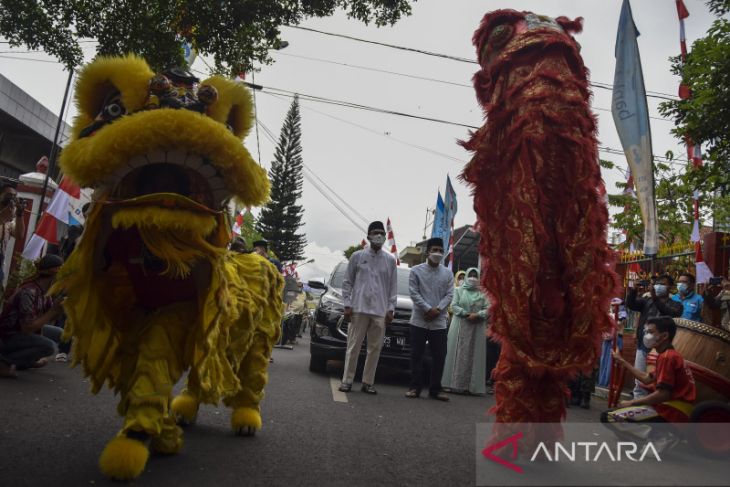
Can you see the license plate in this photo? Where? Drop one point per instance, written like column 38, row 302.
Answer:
column 400, row 341
column 386, row 341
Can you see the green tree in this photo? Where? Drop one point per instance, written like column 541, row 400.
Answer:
column 235, row 32
column 705, row 116
column 281, row 218
column 351, row 250
column 674, row 204
column 248, row 229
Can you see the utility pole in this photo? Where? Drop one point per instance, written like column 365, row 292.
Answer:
column 429, row 211
column 54, row 147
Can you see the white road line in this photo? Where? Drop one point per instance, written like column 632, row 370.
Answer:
column 337, row 395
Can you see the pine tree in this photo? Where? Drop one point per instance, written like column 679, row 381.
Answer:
column 282, row 216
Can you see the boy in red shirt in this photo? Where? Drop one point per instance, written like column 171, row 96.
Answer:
column 672, row 382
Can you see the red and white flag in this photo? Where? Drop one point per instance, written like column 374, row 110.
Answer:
column 59, row 209
column 391, row 242
column 238, row 222
column 290, row 270
column 702, row 271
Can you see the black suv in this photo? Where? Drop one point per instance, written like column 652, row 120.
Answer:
column 329, row 334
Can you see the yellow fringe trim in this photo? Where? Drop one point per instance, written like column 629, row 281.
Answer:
column 243, row 299
column 177, row 237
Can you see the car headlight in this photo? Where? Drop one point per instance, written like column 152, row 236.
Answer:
column 332, row 303
column 321, row 331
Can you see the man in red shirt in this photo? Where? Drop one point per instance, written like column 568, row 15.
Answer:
column 672, row 382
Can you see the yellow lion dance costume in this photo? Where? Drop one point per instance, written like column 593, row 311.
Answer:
column 152, row 290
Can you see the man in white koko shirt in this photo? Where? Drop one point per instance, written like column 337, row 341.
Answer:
column 369, row 291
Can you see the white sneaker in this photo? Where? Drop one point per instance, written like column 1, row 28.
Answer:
column 61, row 357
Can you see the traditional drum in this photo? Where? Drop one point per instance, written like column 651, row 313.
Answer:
column 706, row 350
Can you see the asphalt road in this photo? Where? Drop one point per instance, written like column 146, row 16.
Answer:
column 52, row 431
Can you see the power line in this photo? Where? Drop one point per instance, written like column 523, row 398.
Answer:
column 358, row 106
column 291, row 94
column 30, row 59
column 272, row 137
column 383, row 44
column 377, row 70
column 597, row 84
column 413, row 76
column 81, row 41
column 347, row 104
column 389, row 137
column 357, row 213
column 332, row 202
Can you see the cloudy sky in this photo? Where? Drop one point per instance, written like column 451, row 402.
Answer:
column 391, row 166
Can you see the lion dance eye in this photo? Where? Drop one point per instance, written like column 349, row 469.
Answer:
column 500, row 35
column 112, row 111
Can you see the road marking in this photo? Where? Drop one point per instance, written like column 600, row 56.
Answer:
column 337, row 395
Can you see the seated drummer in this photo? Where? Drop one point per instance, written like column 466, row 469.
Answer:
column 672, row 382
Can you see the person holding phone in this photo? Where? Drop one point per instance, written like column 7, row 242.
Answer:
column 657, row 304
column 717, row 296
column 11, row 220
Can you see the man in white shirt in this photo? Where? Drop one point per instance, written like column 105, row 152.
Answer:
column 369, row 291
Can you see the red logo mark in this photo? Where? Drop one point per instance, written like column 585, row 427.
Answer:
column 487, row 452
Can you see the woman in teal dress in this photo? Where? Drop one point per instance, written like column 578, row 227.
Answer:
column 464, row 370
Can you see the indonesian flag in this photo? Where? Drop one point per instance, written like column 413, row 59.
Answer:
column 363, row 243
column 290, row 271
column 238, row 222
column 60, row 209
column 391, row 242
column 702, row 271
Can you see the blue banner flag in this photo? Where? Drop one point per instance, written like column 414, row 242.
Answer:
column 631, row 116
column 450, row 207
column 438, row 218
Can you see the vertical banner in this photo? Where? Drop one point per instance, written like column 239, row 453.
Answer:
column 631, row 116
column 451, row 207
column 439, row 217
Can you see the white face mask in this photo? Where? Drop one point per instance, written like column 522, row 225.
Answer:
column 435, row 257
column 650, row 341
column 377, row 240
column 661, row 289
column 474, row 281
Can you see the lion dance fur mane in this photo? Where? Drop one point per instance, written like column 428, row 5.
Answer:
column 540, row 203
column 152, row 291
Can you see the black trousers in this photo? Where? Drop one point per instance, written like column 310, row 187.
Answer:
column 493, row 351
column 437, row 340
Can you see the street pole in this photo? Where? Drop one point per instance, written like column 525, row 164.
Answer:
column 54, row 147
column 425, row 224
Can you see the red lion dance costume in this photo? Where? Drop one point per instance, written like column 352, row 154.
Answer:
column 540, row 203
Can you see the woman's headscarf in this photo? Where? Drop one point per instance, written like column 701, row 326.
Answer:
column 456, row 278
column 466, row 284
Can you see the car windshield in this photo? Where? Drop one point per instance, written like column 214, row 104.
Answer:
column 339, row 275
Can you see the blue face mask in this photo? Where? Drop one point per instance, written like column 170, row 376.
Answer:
column 660, row 289
column 683, row 288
